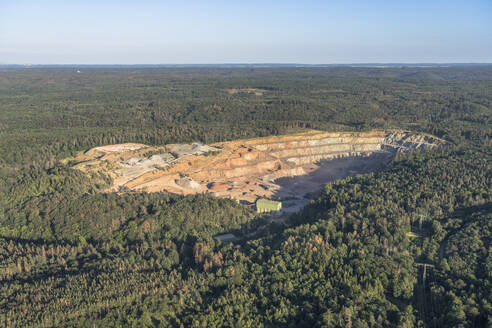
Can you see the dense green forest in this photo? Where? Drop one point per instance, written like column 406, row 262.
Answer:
column 408, row 246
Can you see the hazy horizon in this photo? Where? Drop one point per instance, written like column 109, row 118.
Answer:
column 311, row 32
column 355, row 65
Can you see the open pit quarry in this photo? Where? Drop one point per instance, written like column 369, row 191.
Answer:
column 287, row 168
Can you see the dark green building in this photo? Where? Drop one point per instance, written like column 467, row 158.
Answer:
column 266, row 205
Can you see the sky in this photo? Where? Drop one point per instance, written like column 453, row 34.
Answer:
column 268, row 31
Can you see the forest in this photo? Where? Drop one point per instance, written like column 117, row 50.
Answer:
column 407, row 246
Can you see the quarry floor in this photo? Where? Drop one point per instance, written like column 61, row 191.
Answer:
column 295, row 192
column 292, row 168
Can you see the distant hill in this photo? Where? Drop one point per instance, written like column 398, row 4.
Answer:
column 423, row 71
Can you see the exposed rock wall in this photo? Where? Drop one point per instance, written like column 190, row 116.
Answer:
column 244, row 168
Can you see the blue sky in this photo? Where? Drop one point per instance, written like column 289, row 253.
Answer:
column 184, row 32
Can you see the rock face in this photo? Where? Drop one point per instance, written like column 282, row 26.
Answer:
column 242, row 169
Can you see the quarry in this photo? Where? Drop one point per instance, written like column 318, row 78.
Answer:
column 290, row 168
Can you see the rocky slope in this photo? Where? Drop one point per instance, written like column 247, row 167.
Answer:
column 242, row 169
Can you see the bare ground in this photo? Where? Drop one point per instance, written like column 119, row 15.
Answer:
column 298, row 190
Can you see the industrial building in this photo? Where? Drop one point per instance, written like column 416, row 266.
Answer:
column 266, row 205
